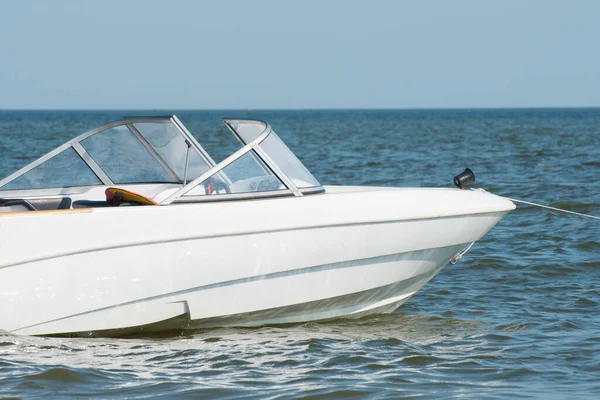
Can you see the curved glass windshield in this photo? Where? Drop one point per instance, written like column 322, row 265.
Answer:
column 288, row 162
column 145, row 152
column 168, row 143
column 283, row 157
column 247, row 130
column 262, row 165
column 124, row 157
column 63, row 170
column 245, row 175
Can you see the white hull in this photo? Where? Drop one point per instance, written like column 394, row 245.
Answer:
column 349, row 252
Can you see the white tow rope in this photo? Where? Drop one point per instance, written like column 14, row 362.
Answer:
column 552, row 208
column 548, row 207
column 457, row 257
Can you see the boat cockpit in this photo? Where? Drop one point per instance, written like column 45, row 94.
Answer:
column 156, row 160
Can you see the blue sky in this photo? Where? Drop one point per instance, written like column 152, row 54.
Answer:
column 301, row 54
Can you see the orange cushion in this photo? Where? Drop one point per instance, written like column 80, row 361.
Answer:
column 128, row 196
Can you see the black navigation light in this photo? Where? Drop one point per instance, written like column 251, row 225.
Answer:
column 464, row 179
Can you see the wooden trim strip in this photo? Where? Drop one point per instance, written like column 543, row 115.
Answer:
column 70, row 211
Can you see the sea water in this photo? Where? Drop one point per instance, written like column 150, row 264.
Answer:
column 517, row 317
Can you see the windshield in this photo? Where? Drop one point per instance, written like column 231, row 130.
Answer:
column 143, row 153
column 264, row 166
column 63, row 170
column 123, row 153
column 276, row 149
column 159, row 150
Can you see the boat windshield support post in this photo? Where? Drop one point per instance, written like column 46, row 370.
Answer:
column 187, row 161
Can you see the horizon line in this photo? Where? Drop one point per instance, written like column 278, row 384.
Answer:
column 315, row 109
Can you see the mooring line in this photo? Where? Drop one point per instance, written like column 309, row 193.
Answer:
column 552, row 208
column 544, row 206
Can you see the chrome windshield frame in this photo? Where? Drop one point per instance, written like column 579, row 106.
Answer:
column 253, row 145
column 102, row 176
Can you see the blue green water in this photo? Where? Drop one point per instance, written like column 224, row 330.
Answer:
column 517, row 317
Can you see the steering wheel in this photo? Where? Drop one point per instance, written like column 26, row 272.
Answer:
column 216, row 186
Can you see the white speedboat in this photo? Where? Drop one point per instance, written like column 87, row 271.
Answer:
column 133, row 226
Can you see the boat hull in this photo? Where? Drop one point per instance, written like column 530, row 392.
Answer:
column 344, row 254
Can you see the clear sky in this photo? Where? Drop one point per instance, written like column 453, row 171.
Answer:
column 298, row 54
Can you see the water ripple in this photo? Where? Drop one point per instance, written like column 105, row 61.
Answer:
column 515, row 318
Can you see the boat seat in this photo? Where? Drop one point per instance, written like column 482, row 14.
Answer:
column 116, row 197
column 17, row 202
column 53, row 203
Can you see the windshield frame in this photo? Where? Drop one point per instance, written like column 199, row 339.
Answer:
column 129, row 123
column 291, row 188
column 179, row 196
